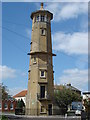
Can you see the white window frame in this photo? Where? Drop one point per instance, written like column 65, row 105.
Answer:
column 41, row 74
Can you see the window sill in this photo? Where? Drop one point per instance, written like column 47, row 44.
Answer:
column 42, row 35
column 43, row 77
column 34, row 62
column 42, row 112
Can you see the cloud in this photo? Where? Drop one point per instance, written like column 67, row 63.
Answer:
column 75, row 43
column 14, row 91
column 78, row 78
column 7, row 72
column 65, row 11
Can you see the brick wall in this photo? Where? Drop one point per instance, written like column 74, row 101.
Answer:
column 8, row 105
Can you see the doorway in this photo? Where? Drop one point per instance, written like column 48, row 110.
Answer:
column 42, row 91
column 50, row 109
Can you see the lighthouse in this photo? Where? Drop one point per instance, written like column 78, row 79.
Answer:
column 39, row 99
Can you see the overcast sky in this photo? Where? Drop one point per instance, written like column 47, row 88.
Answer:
column 69, row 39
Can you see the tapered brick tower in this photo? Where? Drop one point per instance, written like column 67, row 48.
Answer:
column 39, row 99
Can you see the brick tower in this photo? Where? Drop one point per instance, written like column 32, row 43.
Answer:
column 39, row 100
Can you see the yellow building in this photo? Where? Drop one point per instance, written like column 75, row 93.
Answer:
column 39, row 100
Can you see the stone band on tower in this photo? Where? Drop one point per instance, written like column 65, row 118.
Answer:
column 39, row 100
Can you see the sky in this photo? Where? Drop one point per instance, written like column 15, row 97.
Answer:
column 69, row 29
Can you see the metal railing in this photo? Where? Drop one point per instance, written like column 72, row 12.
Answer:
column 43, row 97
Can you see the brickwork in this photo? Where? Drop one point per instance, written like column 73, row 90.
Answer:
column 8, row 105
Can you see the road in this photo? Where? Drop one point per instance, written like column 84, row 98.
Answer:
column 15, row 117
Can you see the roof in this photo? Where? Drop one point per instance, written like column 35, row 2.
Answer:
column 60, row 87
column 41, row 11
column 21, row 94
column 84, row 93
column 73, row 88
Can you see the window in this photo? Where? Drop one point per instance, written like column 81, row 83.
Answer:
column 0, row 106
column 42, row 18
column 42, row 31
column 34, row 19
column 42, row 73
column 42, row 109
column 37, row 18
column 5, row 106
column 11, row 106
column 42, row 91
column 45, row 18
column 34, row 60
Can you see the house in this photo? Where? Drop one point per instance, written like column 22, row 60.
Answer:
column 86, row 101
column 73, row 88
column 21, row 95
column 8, row 105
column 60, row 87
column 86, row 95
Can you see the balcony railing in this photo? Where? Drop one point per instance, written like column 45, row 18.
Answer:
column 40, row 97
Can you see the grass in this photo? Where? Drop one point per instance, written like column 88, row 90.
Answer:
column 4, row 117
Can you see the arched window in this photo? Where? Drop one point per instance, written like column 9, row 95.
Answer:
column 42, row 18
column 11, row 106
column 5, row 106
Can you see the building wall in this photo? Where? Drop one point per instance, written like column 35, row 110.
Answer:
column 8, row 103
column 86, row 96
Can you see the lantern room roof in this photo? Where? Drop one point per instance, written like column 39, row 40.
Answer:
column 42, row 11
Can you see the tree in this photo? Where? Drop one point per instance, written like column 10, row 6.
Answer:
column 20, row 109
column 20, row 104
column 4, row 92
column 65, row 97
column 87, row 105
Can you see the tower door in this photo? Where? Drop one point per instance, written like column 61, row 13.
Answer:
column 42, row 91
column 50, row 109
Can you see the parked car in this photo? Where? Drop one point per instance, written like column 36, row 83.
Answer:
column 78, row 112
column 76, row 108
